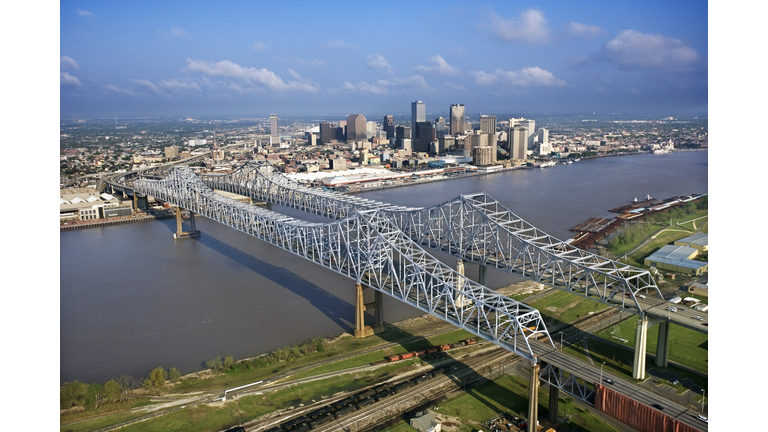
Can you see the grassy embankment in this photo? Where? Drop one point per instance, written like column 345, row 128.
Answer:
column 336, row 349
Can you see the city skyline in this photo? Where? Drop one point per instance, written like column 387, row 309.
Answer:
column 138, row 59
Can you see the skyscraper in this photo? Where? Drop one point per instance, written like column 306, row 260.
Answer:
column 488, row 124
column 418, row 114
column 457, row 119
column 426, row 134
column 389, row 126
column 356, row 127
column 530, row 137
column 274, row 132
column 518, row 142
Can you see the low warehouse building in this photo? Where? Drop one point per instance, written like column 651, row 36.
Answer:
column 677, row 259
column 697, row 241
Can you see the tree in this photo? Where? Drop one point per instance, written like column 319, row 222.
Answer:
column 126, row 382
column 111, row 391
column 173, row 374
column 156, row 378
column 72, row 394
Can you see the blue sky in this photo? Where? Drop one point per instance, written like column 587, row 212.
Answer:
column 253, row 58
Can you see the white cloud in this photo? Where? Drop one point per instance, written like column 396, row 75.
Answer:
column 68, row 80
column 86, row 13
column 414, row 82
column 259, row 45
column 179, row 85
column 526, row 77
column 439, row 66
column 634, row 50
column 579, row 30
column 178, row 32
column 146, row 84
column 530, row 26
column 263, row 77
column 336, row 44
column 364, row 87
column 378, row 62
column 315, row 63
column 116, row 89
column 68, row 63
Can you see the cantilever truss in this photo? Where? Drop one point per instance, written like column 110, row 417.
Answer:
column 368, row 248
column 570, row 384
column 472, row 227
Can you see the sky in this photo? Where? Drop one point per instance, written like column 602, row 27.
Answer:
column 238, row 58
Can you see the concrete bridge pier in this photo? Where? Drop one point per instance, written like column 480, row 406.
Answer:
column 554, row 394
column 533, row 396
column 460, row 298
column 662, row 344
column 184, row 234
column 641, row 338
column 377, row 306
column 482, row 273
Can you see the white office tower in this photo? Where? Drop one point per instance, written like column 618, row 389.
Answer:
column 457, row 119
column 518, row 142
column 274, row 131
column 418, row 114
column 543, row 135
column 370, row 129
column 531, row 135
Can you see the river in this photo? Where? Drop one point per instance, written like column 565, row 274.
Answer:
column 133, row 299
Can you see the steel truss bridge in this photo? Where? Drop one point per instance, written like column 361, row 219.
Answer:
column 471, row 227
column 379, row 245
column 367, row 247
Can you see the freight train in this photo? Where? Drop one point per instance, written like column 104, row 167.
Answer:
column 430, row 350
column 345, row 406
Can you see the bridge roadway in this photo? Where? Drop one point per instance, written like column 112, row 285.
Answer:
column 479, row 229
column 370, row 250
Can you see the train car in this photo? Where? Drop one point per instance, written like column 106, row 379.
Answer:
column 293, row 423
column 394, row 358
column 342, row 411
column 344, row 402
column 364, row 402
column 366, row 394
column 471, row 341
column 407, row 355
column 382, row 395
column 445, row 347
column 433, row 350
column 420, row 353
column 419, row 379
column 321, row 420
column 301, row 428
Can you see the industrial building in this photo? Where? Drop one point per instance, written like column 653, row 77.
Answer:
column 677, row 259
column 697, row 241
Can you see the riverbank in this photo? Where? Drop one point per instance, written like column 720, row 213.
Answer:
column 98, row 223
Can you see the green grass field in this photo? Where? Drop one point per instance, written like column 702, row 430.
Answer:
column 566, row 307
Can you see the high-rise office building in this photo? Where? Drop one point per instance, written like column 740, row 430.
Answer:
column 370, row 129
column 356, row 127
column 426, row 134
column 518, row 142
column 274, row 131
column 488, row 124
column 327, row 133
column 441, row 127
column 457, row 119
column 389, row 126
column 530, row 137
column 418, row 114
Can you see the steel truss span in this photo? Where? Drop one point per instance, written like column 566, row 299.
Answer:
column 368, row 248
column 472, row 227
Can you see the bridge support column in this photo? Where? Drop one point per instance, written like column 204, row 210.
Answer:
column 554, row 394
column 362, row 330
column 641, row 338
column 460, row 298
column 482, row 273
column 533, row 396
column 135, row 202
column 183, row 234
column 662, row 345
column 269, row 205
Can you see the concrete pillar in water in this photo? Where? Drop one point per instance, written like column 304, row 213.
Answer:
column 638, row 369
column 533, row 396
column 269, row 205
column 662, row 345
column 178, row 223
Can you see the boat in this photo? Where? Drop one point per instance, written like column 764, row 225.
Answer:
column 570, row 162
column 547, row 164
column 635, row 199
column 661, row 151
column 648, row 198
